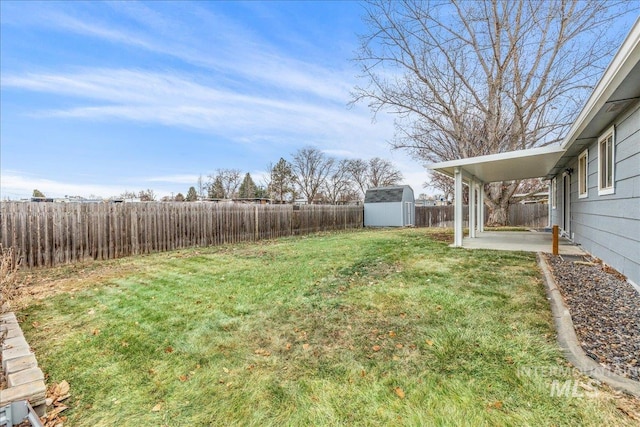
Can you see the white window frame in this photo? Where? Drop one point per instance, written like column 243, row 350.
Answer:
column 554, row 192
column 610, row 133
column 583, row 175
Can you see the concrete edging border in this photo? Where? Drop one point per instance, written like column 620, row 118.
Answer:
column 24, row 379
column 569, row 343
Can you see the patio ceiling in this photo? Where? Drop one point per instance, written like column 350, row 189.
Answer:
column 513, row 165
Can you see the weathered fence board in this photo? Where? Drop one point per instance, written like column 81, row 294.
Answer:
column 521, row 215
column 48, row 234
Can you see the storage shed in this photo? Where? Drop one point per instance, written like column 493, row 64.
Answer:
column 389, row 207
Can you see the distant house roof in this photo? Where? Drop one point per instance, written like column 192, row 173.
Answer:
column 385, row 194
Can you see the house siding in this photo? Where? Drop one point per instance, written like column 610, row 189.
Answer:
column 608, row 226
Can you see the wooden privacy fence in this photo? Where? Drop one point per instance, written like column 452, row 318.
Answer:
column 48, row 234
column 529, row 215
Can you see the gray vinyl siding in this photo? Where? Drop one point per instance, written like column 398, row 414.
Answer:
column 608, row 226
column 389, row 207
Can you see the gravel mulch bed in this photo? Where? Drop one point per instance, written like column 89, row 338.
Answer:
column 605, row 310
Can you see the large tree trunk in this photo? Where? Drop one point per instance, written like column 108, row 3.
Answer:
column 497, row 198
column 499, row 215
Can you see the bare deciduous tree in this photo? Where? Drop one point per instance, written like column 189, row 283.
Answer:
column 468, row 78
column 224, row 184
column 202, row 187
column 382, row 173
column 339, row 185
column 147, row 195
column 359, row 171
column 310, row 168
column 376, row 172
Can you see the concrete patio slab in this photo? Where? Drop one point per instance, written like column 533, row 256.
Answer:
column 527, row 241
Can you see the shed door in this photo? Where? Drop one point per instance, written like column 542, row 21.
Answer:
column 408, row 210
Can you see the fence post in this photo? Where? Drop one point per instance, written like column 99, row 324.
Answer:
column 257, row 233
column 555, row 240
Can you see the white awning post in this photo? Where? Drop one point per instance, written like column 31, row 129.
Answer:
column 457, row 216
column 480, row 207
column 472, row 208
column 549, row 204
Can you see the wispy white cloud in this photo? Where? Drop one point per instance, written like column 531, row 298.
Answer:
column 187, row 179
column 178, row 100
column 18, row 185
column 211, row 41
column 239, row 86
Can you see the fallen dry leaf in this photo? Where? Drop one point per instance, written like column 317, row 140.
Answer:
column 399, row 346
column 305, row 346
column 629, row 412
column 183, row 378
column 95, row 332
column 168, row 349
column 376, row 348
column 262, row 352
column 496, row 405
column 429, row 342
column 392, row 334
column 54, row 413
column 157, row 407
column 399, row 392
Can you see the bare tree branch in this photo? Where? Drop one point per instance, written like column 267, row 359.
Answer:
column 468, row 78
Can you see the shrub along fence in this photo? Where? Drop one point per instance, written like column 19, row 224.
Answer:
column 533, row 215
column 48, row 234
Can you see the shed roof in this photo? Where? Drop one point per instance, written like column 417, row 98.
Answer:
column 385, row 194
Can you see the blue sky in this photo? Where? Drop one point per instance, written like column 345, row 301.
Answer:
column 102, row 97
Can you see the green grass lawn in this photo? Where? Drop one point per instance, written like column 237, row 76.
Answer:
column 387, row 327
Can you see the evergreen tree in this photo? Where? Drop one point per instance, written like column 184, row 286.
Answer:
column 261, row 192
column 179, row 198
column 37, row 193
column 247, row 188
column 215, row 189
column 192, row 195
column 281, row 181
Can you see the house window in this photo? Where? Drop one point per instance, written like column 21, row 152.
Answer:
column 554, row 192
column 606, row 162
column 583, row 166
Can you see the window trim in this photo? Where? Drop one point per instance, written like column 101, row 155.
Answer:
column 583, row 175
column 554, row 192
column 609, row 133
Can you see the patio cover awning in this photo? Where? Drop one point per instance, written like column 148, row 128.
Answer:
column 513, row 165
column 475, row 171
